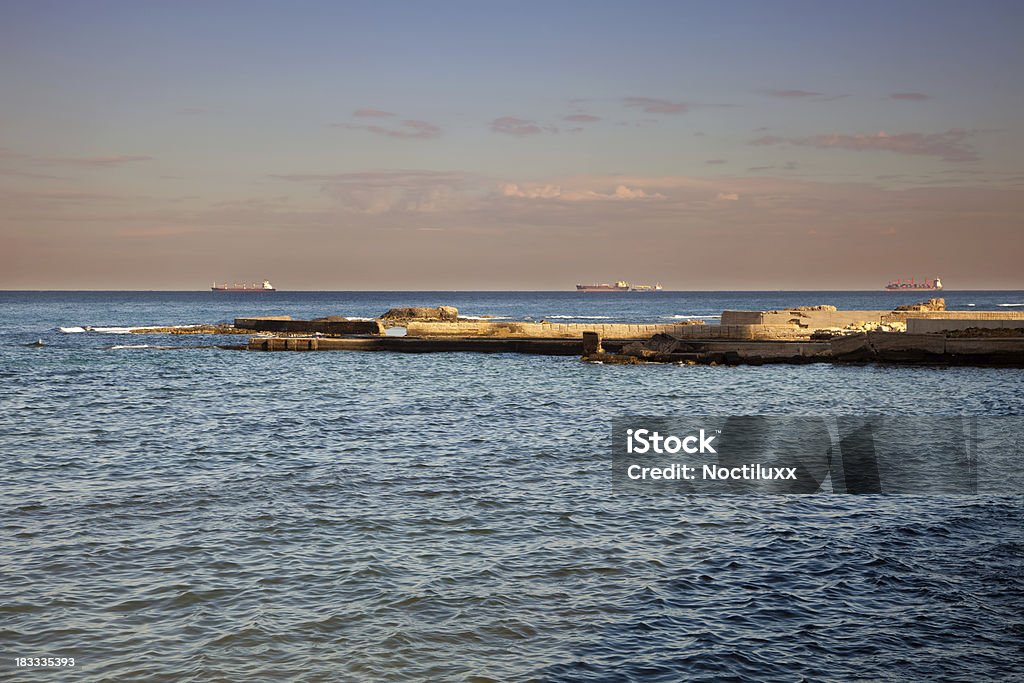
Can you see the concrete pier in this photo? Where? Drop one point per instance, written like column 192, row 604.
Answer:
column 332, row 327
column 541, row 347
column 802, row 335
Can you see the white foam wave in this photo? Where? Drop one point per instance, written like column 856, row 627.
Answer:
column 689, row 317
column 113, row 330
column 578, row 317
column 131, row 346
column 119, row 329
column 972, row 305
column 1008, row 305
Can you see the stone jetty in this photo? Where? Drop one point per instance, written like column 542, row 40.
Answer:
column 919, row 333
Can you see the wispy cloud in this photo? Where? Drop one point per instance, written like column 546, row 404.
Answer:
column 788, row 166
column 410, row 129
column 27, row 174
column 371, row 113
column 376, row 192
column 11, row 154
column 777, row 92
column 549, row 191
column 728, row 197
column 101, row 161
column 653, row 105
column 511, row 125
column 911, row 96
column 951, row 145
column 715, row 162
column 582, row 118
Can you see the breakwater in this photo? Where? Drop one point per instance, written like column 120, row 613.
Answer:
column 799, row 335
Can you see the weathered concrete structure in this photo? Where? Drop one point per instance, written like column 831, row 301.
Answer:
column 543, row 347
column 753, row 337
column 928, row 348
column 938, row 325
column 325, row 326
column 541, row 330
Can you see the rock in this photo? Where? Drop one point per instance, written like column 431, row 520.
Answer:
column 819, row 307
column 331, row 319
column 987, row 332
column 437, row 313
column 195, row 329
column 663, row 343
column 924, row 306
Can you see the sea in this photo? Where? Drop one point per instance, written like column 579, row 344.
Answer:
column 175, row 511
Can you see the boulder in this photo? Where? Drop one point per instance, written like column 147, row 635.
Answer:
column 437, row 313
column 929, row 306
column 819, row 307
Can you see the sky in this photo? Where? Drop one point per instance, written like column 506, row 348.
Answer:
column 530, row 145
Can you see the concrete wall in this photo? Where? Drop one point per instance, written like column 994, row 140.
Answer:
column 816, row 320
column 813, row 320
column 937, row 325
column 957, row 315
column 485, row 328
column 286, row 324
column 607, row 331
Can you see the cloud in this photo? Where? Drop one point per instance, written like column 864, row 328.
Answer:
column 582, row 118
column 11, row 154
column 371, row 113
column 510, row 125
column 26, row 174
column 912, row 96
column 656, row 106
column 715, row 162
column 376, row 192
column 951, row 145
column 728, row 196
column 549, row 191
column 104, row 161
column 410, row 129
column 788, row 166
column 791, row 93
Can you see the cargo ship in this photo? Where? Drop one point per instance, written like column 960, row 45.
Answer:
column 620, row 286
column 244, row 287
column 901, row 285
column 656, row 287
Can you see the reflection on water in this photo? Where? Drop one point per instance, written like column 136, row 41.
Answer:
column 209, row 514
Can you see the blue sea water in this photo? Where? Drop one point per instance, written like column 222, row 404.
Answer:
column 201, row 514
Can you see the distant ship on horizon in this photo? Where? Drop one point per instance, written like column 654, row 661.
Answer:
column 244, row 287
column 620, row 286
column 901, row 285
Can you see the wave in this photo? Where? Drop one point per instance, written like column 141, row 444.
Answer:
column 484, row 317
column 118, row 330
column 972, row 305
column 131, row 346
column 688, row 317
column 577, row 317
column 1008, row 305
column 113, row 330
